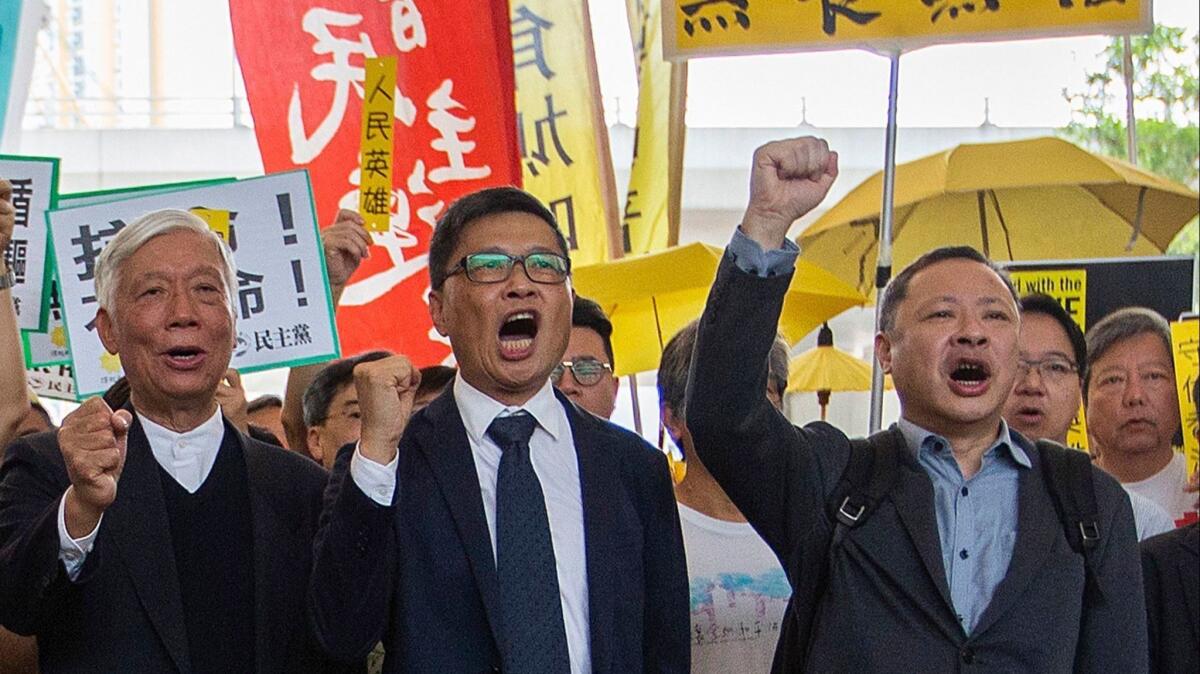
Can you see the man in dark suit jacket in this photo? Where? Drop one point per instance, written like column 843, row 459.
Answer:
column 472, row 547
column 964, row 564
column 1171, row 567
column 158, row 538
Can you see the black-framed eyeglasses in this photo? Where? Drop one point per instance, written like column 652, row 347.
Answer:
column 548, row 268
column 1052, row 368
column 587, row 371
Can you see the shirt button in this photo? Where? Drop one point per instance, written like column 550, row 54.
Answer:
column 964, row 491
column 962, row 554
column 968, row 655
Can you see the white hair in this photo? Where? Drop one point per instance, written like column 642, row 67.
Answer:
column 139, row 232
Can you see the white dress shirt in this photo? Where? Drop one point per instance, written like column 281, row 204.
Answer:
column 552, row 453
column 188, row 457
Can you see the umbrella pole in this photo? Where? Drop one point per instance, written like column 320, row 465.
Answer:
column 883, row 269
column 1130, row 121
column 637, row 409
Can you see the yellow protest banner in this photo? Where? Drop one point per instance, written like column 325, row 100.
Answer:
column 216, row 219
column 565, row 160
column 1069, row 287
column 1185, row 342
column 376, row 143
column 717, row 27
column 651, row 218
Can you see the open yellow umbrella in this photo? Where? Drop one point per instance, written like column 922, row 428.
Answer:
column 1042, row 198
column 826, row 368
column 650, row 297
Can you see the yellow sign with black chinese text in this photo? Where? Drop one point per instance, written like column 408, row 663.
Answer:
column 650, row 220
column 720, row 27
column 565, row 159
column 376, row 143
column 1185, row 343
column 1069, row 287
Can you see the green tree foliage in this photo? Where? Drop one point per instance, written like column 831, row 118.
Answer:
column 1166, row 91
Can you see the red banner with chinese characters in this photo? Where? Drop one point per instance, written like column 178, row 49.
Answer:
column 303, row 64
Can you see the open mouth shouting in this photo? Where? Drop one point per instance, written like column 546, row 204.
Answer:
column 517, row 334
column 970, row 377
column 184, row 357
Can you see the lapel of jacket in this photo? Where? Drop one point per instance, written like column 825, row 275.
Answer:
column 276, row 566
column 1186, row 567
column 140, row 529
column 599, row 482
column 1037, row 527
column 442, row 439
column 913, row 497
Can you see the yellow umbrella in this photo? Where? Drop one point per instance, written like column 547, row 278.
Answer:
column 650, row 297
column 1043, row 198
column 826, row 368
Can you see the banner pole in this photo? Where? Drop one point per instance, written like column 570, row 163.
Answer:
column 883, row 269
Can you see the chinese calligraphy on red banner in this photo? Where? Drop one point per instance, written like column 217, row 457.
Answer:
column 303, row 64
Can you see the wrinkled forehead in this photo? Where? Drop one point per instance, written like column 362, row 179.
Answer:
column 509, row 232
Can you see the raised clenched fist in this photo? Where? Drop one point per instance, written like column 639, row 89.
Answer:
column 92, row 441
column 789, row 178
column 386, row 389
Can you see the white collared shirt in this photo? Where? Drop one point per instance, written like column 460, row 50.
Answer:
column 188, row 457
column 552, row 453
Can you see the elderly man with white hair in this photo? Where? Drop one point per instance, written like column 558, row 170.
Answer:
column 156, row 537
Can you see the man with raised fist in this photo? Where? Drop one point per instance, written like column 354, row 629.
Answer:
column 935, row 545
column 500, row 528
column 156, row 537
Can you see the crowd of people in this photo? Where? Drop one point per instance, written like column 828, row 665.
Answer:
column 489, row 517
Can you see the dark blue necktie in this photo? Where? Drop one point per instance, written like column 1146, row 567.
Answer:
column 535, row 639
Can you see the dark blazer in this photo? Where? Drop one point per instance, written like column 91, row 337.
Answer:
column 887, row 605
column 1171, row 567
column 420, row 574
column 124, row 612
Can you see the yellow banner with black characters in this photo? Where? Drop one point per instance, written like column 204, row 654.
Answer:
column 1185, row 342
column 376, row 144
column 714, row 27
column 1069, row 287
column 650, row 220
column 565, row 160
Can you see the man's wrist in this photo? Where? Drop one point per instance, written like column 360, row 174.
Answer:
column 81, row 518
column 378, row 451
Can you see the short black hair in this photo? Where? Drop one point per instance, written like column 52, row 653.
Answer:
column 1037, row 303
column 897, row 289
column 263, row 402
column 676, row 362
column 588, row 314
column 325, row 386
column 469, row 209
column 435, row 378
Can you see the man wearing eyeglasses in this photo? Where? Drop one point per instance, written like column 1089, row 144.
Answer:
column 498, row 528
column 586, row 373
column 1046, row 397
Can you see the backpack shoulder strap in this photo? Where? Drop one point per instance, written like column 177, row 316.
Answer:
column 869, row 475
column 1068, row 477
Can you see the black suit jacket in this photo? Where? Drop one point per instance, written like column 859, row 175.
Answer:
column 1171, row 565
column 124, row 613
column 887, row 603
column 420, row 574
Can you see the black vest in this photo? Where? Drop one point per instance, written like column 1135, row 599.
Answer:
column 212, row 532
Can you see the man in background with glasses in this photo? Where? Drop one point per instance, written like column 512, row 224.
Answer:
column 586, row 373
column 498, row 528
column 1049, row 387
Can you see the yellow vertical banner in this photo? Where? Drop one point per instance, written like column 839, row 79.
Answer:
column 565, row 159
column 1069, row 287
column 375, row 154
column 1185, row 342
column 651, row 218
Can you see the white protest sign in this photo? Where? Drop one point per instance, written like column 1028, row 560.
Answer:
column 282, row 302
column 54, row 381
column 49, row 347
column 34, row 182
